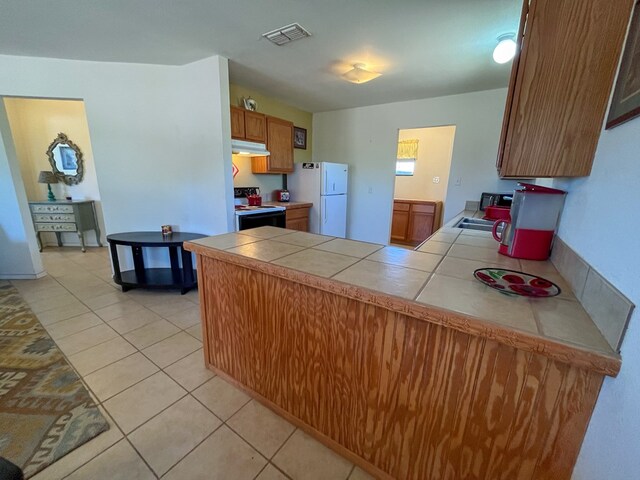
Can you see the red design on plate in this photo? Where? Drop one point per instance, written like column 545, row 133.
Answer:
column 540, row 283
column 513, row 278
column 511, row 282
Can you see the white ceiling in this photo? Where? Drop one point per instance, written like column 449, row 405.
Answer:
column 424, row 48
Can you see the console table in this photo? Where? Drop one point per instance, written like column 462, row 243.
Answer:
column 65, row 216
column 175, row 277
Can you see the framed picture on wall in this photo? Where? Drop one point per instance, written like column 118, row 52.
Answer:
column 625, row 104
column 300, row 137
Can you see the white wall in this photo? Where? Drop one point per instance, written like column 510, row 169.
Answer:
column 19, row 257
column 366, row 138
column 35, row 123
column 435, row 147
column 599, row 222
column 160, row 136
column 266, row 182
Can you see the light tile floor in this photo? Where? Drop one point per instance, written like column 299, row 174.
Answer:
column 140, row 355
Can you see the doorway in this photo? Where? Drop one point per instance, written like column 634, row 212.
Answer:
column 35, row 123
column 422, row 171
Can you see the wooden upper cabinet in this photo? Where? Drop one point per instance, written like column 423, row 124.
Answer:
column 280, row 146
column 560, row 86
column 248, row 125
column 237, row 123
column 255, row 127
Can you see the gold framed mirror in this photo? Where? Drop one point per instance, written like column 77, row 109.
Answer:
column 66, row 161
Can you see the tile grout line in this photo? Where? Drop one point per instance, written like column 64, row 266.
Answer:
column 188, row 393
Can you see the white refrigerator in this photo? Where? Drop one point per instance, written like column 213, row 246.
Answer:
column 325, row 185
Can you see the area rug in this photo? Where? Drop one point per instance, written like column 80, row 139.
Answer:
column 45, row 411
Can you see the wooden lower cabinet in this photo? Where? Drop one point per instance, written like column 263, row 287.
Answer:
column 403, row 397
column 400, row 222
column 414, row 221
column 298, row 219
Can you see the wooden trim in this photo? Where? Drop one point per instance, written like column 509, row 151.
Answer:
column 415, row 399
column 571, row 355
column 291, row 205
column 204, row 313
column 417, row 202
column 512, row 93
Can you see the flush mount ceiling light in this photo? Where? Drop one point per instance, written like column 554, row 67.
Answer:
column 506, row 48
column 359, row 74
column 283, row 35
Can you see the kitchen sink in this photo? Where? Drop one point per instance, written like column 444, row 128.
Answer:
column 476, row 224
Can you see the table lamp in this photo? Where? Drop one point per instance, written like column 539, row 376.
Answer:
column 48, row 178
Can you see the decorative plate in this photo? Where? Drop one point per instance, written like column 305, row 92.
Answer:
column 516, row 283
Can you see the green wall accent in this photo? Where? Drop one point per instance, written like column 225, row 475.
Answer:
column 276, row 108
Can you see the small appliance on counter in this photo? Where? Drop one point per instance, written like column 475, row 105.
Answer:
column 282, row 195
column 535, row 213
column 255, row 200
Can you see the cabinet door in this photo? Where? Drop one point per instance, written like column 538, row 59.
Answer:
column 420, row 222
column 400, row 222
column 298, row 219
column 255, row 127
column 237, row 123
column 280, row 145
column 569, row 58
column 301, row 224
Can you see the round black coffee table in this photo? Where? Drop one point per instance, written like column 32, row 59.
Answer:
column 183, row 277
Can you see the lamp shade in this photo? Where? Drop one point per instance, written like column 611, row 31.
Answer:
column 359, row 74
column 47, row 177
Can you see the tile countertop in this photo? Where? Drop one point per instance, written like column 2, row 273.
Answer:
column 434, row 282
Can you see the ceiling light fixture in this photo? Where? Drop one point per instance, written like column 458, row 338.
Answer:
column 359, row 74
column 506, row 48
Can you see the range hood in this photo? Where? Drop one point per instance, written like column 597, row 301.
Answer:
column 248, row 149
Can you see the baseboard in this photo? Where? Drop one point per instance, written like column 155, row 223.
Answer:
column 22, row 276
column 71, row 244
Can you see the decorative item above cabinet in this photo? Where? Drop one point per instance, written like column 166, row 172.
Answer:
column 560, row 84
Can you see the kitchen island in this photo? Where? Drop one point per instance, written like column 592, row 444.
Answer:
column 400, row 360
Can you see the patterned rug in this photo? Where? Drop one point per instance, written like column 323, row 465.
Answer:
column 45, row 411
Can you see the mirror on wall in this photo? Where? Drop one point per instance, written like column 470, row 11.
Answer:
column 66, row 160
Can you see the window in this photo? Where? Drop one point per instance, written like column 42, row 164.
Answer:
column 405, row 167
column 406, row 157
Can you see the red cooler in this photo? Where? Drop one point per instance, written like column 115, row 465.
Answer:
column 535, row 213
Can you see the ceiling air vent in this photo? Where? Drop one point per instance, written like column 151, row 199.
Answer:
column 283, row 35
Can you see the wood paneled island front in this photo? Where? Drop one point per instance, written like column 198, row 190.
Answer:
column 350, row 341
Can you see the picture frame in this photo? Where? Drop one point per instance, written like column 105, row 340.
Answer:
column 625, row 104
column 300, row 138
